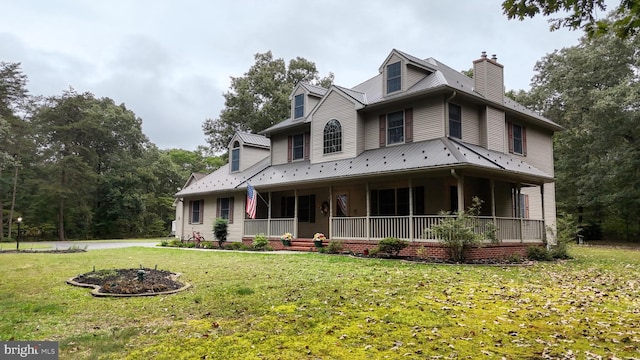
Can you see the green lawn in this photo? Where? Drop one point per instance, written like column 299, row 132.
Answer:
column 313, row 306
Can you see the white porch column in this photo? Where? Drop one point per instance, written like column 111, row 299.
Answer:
column 368, row 212
column 492, row 184
column 411, row 234
column 544, row 222
column 269, row 215
column 519, row 210
column 331, row 212
column 461, row 193
column 295, row 213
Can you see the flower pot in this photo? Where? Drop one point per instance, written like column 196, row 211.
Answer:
column 286, row 242
column 317, row 243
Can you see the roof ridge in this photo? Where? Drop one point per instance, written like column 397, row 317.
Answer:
column 478, row 153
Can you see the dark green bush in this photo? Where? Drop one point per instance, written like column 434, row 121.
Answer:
column 236, row 246
column 260, row 242
column 392, row 246
column 334, row 247
column 221, row 230
column 538, row 253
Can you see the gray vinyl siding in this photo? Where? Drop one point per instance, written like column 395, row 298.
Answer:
column 470, row 124
column 413, row 76
column 428, row 120
column 250, row 155
column 360, row 147
column 310, row 102
column 496, row 130
column 372, row 131
column 279, row 149
column 335, row 107
column 540, row 149
column 489, row 80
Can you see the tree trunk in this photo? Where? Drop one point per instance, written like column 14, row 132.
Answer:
column 1, row 212
column 13, row 199
column 61, row 221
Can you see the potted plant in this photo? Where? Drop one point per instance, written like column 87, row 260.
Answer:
column 286, row 239
column 318, row 238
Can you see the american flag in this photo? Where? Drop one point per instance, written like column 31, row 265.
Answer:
column 252, row 201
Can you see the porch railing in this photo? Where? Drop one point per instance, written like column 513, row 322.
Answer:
column 270, row 227
column 380, row 227
column 402, row 227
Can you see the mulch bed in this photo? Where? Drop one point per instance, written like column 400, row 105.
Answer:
column 126, row 282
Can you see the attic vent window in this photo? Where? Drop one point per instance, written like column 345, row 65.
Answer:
column 394, row 79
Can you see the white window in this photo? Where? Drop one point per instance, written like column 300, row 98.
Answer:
column 394, row 79
column 299, row 106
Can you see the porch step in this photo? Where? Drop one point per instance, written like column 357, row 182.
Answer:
column 301, row 245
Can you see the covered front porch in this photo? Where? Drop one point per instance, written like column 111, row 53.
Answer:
column 405, row 209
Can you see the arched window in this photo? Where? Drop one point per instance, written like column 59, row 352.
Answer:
column 332, row 137
column 235, row 156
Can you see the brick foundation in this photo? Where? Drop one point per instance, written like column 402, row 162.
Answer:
column 427, row 250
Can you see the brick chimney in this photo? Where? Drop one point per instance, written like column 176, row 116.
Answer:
column 488, row 78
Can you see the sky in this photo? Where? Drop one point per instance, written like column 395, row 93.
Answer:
column 170, row 61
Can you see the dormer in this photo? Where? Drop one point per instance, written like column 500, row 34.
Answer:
column 246, row 150
column 401, row 71
column 304, row 98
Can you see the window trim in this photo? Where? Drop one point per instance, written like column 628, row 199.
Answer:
column 300, row 146
column 219, row 213
column 512, row 138
column 200, row 205
column 396, row 80
column 332, row 137
column 298, row 107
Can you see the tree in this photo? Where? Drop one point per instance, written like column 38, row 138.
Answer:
column 13, row 94
column 625, row 21
column 82, row 142
column 593, row 90
column 260, row 98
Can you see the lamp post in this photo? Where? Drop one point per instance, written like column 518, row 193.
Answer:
column 18, row 238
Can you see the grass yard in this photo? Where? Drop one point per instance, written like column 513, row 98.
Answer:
column 313, row 306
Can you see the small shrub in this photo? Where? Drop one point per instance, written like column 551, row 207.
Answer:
column 236, row 246
column 457, row 233
column 334, row 247
column 260, row 242
column 392, row 246
column 538, row 253
column 221, row 230
column 513, row 258
column 207, row 245
column 421, row 252
column 164, row 243
column 373, row 252
column 175, row 243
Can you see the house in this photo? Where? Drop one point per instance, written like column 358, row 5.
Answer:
column 384, row 158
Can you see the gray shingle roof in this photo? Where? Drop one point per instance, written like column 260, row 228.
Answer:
column 222, row 180
column 425, row 155
column 314, row 89
column 255, row 139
